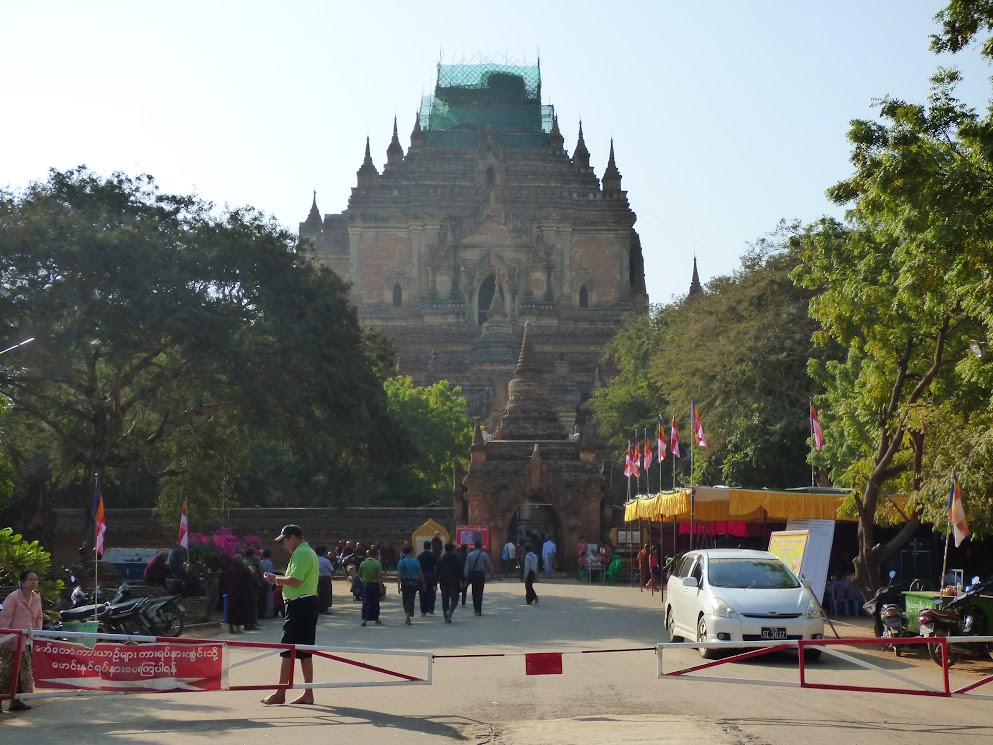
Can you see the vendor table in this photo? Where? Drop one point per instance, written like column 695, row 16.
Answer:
column 919, row 600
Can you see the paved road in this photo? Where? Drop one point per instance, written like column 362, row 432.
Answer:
column 603, row 698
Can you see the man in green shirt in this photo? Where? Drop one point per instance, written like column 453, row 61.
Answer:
column 300, row 627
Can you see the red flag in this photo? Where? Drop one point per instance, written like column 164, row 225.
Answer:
column 184, row 528
column 628, row 459
column 815, row 429
column 956, row 513
column 674, row 439
column 636, row 460
column 99, row 519
column 646, row 455
column 698, row 429
column 663, row 445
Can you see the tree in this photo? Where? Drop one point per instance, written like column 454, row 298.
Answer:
column 739, row 351
column 153, row 315
column 902, row 288
column 436, row 430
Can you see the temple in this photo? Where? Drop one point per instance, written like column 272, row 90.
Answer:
column 483, row 224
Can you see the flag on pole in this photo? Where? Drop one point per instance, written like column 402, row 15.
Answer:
column 636, row 460
column 663, row 445
column 628, row 459
column 815, row 429
column 647, row 452
column 701, row 440
column 184, row 528
column 956, row 513
column 99, row 519
column 674, row 439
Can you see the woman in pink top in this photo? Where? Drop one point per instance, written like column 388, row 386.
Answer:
column 21, row 610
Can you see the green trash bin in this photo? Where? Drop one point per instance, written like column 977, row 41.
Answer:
column 87, row 627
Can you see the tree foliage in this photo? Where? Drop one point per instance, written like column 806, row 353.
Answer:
column 902, row 288
column 739, row 351
column 437, row 431
column 163, row 327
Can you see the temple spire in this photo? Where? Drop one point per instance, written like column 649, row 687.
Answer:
column 695, row 286
column 555, row 138
column 315, row 214
column 367, row 173
column 417, row 134
column 611, row 180
column 581, row 156
column 394, row 153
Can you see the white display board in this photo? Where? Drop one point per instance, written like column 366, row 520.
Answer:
column 817, row 555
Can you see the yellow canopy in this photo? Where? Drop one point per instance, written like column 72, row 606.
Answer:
column 718, row 504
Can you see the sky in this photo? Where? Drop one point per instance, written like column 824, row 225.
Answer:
column 727, row 117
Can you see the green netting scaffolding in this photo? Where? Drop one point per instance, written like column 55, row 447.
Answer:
column 482, row 95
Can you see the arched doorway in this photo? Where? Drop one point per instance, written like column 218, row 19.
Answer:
column 533, row 523
column 486, row 292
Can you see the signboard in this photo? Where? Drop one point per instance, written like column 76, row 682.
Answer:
column 789, row 545
column 126, row 667
column 469, row 534
column 817, row 556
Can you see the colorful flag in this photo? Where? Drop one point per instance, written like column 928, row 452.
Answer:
column 663, row 445
column 956, row 513
column 646, row 454
column 99, row 519
column 636, row 460
column 698, row 429
column 184, row 528
column 628, row 460
column 815, row 429
column 674, row 439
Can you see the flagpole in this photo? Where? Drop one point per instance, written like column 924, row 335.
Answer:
column 96, row 560
column 948, row 539
column 810, row 423
column 648, row 483
column 692, row 473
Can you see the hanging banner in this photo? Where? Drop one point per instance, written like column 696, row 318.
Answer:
column 118, row 667
column 469, row 534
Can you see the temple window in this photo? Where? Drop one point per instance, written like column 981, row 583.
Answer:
column 584, row 297
column 397, row 295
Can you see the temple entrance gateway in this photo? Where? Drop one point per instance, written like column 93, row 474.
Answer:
column 532, row 521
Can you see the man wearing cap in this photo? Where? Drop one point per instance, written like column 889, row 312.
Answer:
column 300, row 626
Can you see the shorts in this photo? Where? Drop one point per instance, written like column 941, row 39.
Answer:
column 300, row 625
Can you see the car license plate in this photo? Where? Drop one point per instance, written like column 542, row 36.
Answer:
column 773, row 632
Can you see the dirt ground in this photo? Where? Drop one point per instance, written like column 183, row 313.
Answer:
column 601, row 696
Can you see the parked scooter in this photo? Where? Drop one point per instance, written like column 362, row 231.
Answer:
column 166, row 614
column 889, row 621
column 119, row 616
column 959, row 617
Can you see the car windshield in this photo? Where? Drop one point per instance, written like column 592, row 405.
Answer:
column 769, row 574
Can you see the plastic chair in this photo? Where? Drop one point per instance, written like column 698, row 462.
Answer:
column 582, row 572
column 614, row 569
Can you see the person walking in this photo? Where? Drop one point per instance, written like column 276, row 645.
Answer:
column 449, row 574
column 371, row 573
column 477, row 566
column 325, row 570
column 530, row 575
column 238, row 587
column 267, row 567
column 462, row 555
column 299, row 586
column 548, row 556
column 21, row 610
column 410, row 579
column 437, row 545
column 429, row 592
column 509, row 557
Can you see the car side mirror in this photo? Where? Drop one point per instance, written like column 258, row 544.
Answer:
column 690, row 582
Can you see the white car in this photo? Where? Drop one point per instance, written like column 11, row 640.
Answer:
column 737, row 595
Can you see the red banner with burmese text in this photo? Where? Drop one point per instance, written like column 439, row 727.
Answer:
column 157, row 667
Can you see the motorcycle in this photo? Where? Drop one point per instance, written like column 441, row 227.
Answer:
column 889, row 621
column 166, row 615
column 119, row 616
column 959, row 617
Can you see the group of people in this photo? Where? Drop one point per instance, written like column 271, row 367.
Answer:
column 244, row 593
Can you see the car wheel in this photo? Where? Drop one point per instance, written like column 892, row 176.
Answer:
column 811, row 655
column 707, row 653
column 670, row 627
